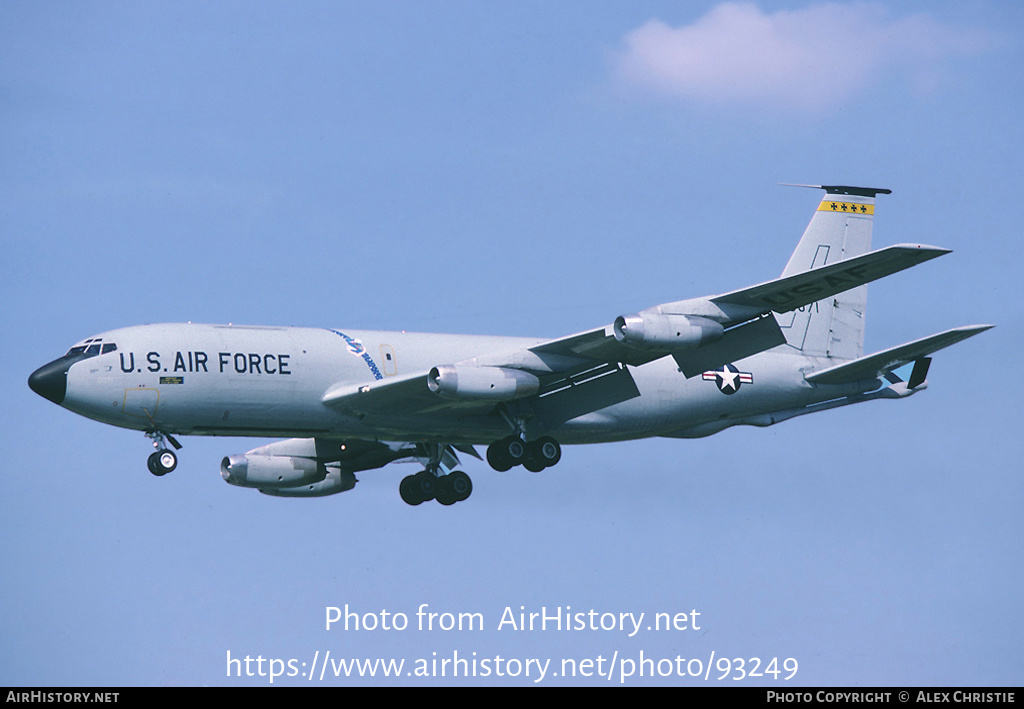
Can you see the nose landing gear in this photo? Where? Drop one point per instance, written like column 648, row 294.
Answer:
column 164, row 459
column 162, row 462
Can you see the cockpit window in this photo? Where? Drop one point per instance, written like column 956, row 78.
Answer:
column 92, row 347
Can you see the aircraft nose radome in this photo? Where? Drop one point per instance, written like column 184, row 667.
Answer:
column 51, row 380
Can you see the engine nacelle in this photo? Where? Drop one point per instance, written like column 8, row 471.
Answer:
column 483, row 383
column 271, row 471
column 654, row 331
column 335, row 482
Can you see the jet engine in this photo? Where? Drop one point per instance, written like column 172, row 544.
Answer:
column 483, row 383
column 336, row 481
column 655, row 331
column 271, row 471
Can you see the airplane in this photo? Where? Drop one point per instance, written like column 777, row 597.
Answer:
column 347, row 401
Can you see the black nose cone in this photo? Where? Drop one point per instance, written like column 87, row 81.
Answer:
column 51, row 380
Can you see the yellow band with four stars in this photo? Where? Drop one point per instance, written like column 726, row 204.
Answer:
column 846, row 207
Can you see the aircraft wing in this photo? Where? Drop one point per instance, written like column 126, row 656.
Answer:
column 881, row 363
column 407, row 393
column 598, row 345
column 601, row 346
column 598, row 358
column 791, row 292
column 745, row 313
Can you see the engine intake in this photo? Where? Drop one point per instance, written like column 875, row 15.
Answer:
column 655, row 331
column 482, row 383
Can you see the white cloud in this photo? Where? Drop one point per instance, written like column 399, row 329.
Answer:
column 809, row 59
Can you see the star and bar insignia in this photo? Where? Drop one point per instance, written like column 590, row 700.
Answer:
column 728, row 378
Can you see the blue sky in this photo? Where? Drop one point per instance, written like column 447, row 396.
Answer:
column 513, row 168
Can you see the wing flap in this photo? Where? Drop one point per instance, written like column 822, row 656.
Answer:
column 737, row 343
column 577, row 394
column 881, row 363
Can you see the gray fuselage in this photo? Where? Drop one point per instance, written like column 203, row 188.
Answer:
column 236, row 380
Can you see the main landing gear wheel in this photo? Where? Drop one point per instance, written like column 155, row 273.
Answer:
column 506, row 453
column 454, row 487
column 418, row 488
column 544, row 451
column 447, row 490
column 533, row 465
column 534, row 456
column 162, row 462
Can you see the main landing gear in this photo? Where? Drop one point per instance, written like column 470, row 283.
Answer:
column 448, row 489
column 533, row 455
column 164, row 459
column 432, row 484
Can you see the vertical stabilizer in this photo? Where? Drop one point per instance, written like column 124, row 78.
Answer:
column 840, row 229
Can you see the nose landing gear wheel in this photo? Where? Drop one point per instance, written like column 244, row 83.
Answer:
column 162, row 462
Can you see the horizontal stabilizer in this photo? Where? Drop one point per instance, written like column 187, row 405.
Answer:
column 800, row 289
column 883, row 362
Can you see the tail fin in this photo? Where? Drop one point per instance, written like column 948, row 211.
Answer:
column 840, row 229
